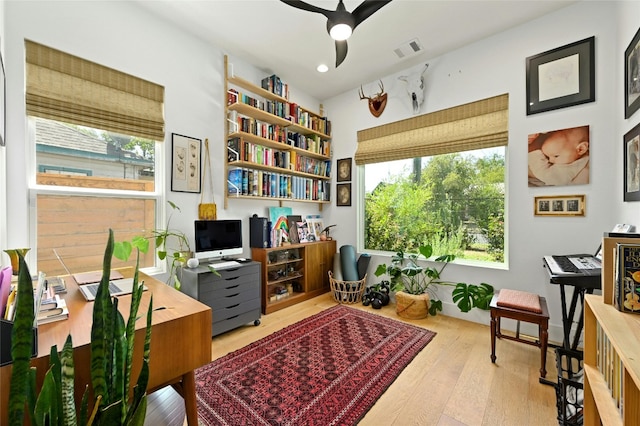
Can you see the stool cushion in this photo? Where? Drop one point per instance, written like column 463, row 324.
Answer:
column 521, row 300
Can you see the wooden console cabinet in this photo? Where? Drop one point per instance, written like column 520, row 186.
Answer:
column 234, row 296
column 612, row 353
column 293, row 273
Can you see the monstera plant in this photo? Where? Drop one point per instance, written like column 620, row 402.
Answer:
column 112, row 343
column 409, row 277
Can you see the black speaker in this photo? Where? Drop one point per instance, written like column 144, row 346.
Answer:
column 259, row 232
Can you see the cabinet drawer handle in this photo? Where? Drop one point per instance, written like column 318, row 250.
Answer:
column 233, row 306
column 231, row 278
column 230, row 318
column 233, row 295
column 233, row 286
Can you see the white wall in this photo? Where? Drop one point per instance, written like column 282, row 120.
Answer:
column 497, row 65
column 121, row 35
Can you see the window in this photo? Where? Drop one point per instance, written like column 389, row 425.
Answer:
column 438, row 179
column 95, row 134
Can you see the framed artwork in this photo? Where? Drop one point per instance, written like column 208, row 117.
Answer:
column 559, row 157
column 561, row 77
column 344, row 170
column 344, row 194
column 185, row 163
column 632, row 76
column 559, row 205
column 631, row 154
column 3, row 103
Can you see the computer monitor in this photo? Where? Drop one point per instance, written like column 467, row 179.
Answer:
column 218, row 238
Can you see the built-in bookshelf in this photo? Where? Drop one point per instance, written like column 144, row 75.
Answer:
column 612, row 345
column 275, row 149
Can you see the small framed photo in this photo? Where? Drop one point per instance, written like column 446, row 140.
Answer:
column 632, row 76
column 344, row 194
column 631, row 149
column 559, row 205
column 344, row 170
column 185, row 163
column 561, row 77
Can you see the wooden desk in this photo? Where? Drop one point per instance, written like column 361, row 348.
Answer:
column 180, row 341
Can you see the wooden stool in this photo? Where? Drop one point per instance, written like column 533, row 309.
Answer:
column 521, row 306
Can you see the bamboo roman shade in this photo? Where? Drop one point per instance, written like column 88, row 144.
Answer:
column 67, row 88
column 476, row 125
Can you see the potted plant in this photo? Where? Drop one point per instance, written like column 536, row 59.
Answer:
column 415, row 285
column 112, row 342
column 176, row 254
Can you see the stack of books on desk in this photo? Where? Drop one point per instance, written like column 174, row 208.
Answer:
column 52, row 310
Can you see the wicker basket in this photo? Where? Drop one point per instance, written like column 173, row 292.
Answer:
column 347, row 291
column 412, row 306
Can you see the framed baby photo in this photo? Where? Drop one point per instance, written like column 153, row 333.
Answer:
column 344, row 170
column 344, row 194
column 631, row 150
column 561, row 77
column 632, row 76
column 559, row 205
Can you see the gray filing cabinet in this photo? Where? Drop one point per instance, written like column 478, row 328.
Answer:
column 234, row 296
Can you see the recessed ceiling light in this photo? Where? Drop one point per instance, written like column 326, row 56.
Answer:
column 322, row 68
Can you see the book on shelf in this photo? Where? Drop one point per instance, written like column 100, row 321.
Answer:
column 52, row 311
column 627, row 283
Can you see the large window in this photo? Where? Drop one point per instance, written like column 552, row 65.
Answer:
column 95, row 133
column 455, row 202
column 438, row 179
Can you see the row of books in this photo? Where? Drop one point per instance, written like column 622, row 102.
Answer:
column 287, row 110
column 258, row 183
column 274, row 85
column 48, row 305
column 240, row 150
column 313, row 143
column 610, row 366
column 627, row 284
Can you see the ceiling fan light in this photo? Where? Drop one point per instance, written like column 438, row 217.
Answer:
column 340, row 32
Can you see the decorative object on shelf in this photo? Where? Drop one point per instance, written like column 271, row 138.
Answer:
column 344, row 170
column 279, row 225
column 559, row 205
column 185, row 163
column 631, row 152
column 415, row 87
column 325, row 234
column 344, row 194
column 561, row 77
column 13, row 257
column 314, row 221
column 632, row 76
column 193, row 262
column 207, row 211
column 292, row 221
column 559, row 157
column 377, row 102
column 409, row 278
column 340, row 23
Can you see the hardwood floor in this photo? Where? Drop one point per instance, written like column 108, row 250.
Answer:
column 452, row 382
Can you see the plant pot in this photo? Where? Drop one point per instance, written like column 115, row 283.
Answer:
column 412, row 306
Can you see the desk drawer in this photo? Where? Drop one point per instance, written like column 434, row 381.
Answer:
column 230, row 311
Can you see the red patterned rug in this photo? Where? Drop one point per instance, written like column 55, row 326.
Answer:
column 328, row 369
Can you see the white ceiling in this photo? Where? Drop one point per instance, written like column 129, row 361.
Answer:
column 291, row 43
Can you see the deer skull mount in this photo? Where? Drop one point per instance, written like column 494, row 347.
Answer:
column 377, row 103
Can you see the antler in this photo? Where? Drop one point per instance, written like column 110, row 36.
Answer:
column 361, row 93
column 381, row 89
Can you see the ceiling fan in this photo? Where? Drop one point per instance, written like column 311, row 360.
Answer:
column 340, row 23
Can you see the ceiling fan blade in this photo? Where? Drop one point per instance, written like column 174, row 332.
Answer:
column 366, row 9
column 308, row 7
column 341, row 51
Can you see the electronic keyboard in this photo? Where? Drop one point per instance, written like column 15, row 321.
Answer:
column 573, row 265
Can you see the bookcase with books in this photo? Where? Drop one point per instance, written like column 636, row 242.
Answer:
column 612, row 345
column 275, row 149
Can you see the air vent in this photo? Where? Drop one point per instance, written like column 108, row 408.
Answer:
column 408, row 48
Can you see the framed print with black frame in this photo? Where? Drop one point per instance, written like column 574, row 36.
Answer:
column 631, row 150
column 343, row 194
column 561, row 77
column 185, row 163
column 632, row 76
column 559, row 205
column 344, row 170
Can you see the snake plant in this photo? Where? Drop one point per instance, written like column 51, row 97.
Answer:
column 112, row 342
